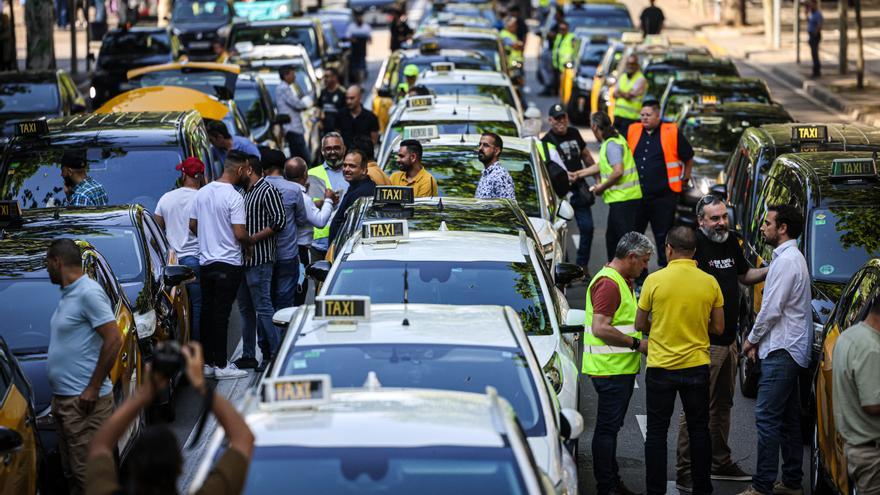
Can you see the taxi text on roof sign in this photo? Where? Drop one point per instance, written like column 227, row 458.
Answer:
column 443, row 66
column 419, row 101
column 809, row 133
column 297, row 390
column 421, row 132
column 854, row 168
column 708, row 99
column 342, row 308
column 394, row 195
column 31, row 128
column 385, row 230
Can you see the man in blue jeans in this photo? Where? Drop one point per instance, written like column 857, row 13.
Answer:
column 265, row 219
column 172, row 215
column 782, row 338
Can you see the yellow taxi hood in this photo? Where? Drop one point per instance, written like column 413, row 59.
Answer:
column 165, row 99
column 208, row 66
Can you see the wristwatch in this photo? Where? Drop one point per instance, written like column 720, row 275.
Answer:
column 635, row 345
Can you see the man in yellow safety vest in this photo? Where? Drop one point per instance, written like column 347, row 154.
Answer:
column 330, row 173
column 628, row 95
column 612, row 348
column 562, row 52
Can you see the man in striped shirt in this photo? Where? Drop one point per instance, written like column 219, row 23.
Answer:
column 264, row 213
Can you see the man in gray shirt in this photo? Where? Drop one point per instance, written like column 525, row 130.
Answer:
column 781, row 337
column 289, row 104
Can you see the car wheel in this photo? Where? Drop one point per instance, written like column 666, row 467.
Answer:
column 818, row 484
column 748, row 378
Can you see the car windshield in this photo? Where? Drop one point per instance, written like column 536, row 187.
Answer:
column 658, row 75
column 496, row 283
column 458, row 170
column 443, row 367
column 213, row 83
column 477, row 62
column 26, row 329
column 681, row 96
column 129, row 175
column 120, row 247
column 719, row 133
column 486, row 46
column 189, row 11
column 592, row 55
column 390, row 471
column 593, row 18
column 503, row 93
column 842, row 240
column 134, row 44
column 505, row 128
column 28, row 98
column 248, row 100
column 278, row 35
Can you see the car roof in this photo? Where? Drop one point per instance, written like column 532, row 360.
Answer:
column 165, row 98
column 290, row 21
column 51, row 222
column 745, row 109
column 457, row 32
column 124, row 128
column 715, row 81
column 500, row 216
column 403, row 418
column 816, row 167
column 139, row 30
column 775, row 135
column 442, row 246
column 427, row 324
column 470, row 109
column 464, row 76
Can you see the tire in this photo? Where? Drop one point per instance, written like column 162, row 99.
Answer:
column 818, row 484
column 748, row 382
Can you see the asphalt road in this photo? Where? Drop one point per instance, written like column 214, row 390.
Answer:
column 631, row 438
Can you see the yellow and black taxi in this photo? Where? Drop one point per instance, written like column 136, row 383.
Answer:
column 211, row 78
column 19, row 442
column 605, row 75
column 690, row 87
column 714, row 130
column 132, row 155
column 828, row 473
column 32, row 94
column 751, row 159
column 196, row 22
column 486, row 41
column 28, row 296
column 660, row 68
column 390, row 76
column 838, row 193
column 123, row 49
column 577, row 84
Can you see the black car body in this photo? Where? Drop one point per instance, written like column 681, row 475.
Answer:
column 659, row 69
column 590, row 51
column 125, row 49
column 256, row 104
column 29, row 95
column 132, row 155
column 705, row 90
column 338, row 51
column 305, row 31
column 196, row 23
column 714, row 131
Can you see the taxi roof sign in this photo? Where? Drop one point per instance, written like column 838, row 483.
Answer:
column 632, row 37
column 342, row 308
column 10, row 212
column 31, row 128
column 442, row 66
column 809, row 133
column 296, row 391
column 384, row 230
column 421, row 132
column 854, row 168
column 419, row 101
column 709, row 100
column 394, row 195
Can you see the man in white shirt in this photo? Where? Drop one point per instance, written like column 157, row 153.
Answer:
column 318, row 213
column 289, row 104
column 782, row 338
column 172, row 214
column 218, row 220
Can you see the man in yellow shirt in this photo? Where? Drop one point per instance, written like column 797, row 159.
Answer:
column 684, row 304
column 412, row 173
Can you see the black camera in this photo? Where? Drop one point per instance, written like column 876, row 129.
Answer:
column 167, row 359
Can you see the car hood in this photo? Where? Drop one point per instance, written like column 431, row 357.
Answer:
column 34, row 367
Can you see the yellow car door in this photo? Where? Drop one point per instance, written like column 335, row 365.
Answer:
column 18, row 439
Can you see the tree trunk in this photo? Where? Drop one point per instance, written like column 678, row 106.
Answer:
column 39, row 16
column 860, row 55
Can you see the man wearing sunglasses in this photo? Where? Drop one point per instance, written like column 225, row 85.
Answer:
column 719, row 254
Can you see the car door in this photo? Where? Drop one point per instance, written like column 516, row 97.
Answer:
column 165, row 299
column 18, row 467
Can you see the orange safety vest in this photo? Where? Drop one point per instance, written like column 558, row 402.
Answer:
column 669, row 143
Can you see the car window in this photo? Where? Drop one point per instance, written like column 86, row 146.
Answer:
column 841, row 240
column 199, row 11
column 5, row 373
column 278, row 35
column 248, row 100
column 503, row 93
column 774, row 192
column 858, row 299
column 105, row 278
column 28, row 98
column 133, row 44
column 154, row 253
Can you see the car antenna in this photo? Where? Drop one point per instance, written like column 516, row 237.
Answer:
column 468, row 128
column 405, row 295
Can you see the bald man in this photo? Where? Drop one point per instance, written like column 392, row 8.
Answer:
column 356, row 121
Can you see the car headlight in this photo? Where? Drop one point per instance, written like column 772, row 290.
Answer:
column 92, row 92
column 45, row 420
column 553, row 373
column 146, row 324
column 282, row 9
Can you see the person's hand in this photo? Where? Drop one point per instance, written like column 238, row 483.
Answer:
column 595, row 189
column 643, row 346
column 750, row 350
column 331, row 194
column 87, row 400
column 195, row 361
column 319, row 204
column 153, row 384
column 572, row 177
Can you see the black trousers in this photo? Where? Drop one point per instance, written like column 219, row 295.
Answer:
column 621, row 219
column 303, row 289
column 219, row 283
column 659, row 211
column 814, row 53
column 661, row 387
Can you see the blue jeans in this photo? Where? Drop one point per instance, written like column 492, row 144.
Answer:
column 285, row 278
column 614, row 393
column 583, row 216
column 778, row 421
column 194, row 289
column 100, row 11
column 255, row 304
column 61, row 12
column 661, row 388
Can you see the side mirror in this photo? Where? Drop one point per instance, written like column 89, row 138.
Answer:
column 574, row 321
column 174, row 275
column 318, row 270
column 565, row 211
column 282, row 118
column 282, row 317
column 571, row 424
column 566, row 273
column 10, row 441
column 384, row 92
column 719, row 190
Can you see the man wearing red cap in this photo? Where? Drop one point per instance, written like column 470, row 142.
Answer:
column 172, row 215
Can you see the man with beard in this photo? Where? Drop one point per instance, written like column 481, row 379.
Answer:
column 80, row 188
column 495, row 181
column 354, row 169
column 330, row 173
column 719, row 254
column 412, row 173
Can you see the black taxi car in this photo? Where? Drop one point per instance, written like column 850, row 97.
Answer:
column 828, row 473
column 31, row 94
column 27, row 292
column 196, row 22
column 660, row 68
column 19, row 442
column 714, row 131
column 687, row 88
column 132, row 155
column 838, row 193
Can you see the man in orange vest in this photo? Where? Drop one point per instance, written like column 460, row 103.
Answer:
column 664, row 158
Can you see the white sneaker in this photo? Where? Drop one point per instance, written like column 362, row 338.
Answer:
column 208, row 371
column 229, row 372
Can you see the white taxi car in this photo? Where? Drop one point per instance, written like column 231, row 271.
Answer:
column 312, row 439
column 432, row 347
column 459, row 82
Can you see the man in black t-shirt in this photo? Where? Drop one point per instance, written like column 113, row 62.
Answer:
column 652, row 20
column 720, row 255
column 356, row 121
column 331, row 101
column 399, row 29
column 574, row 153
